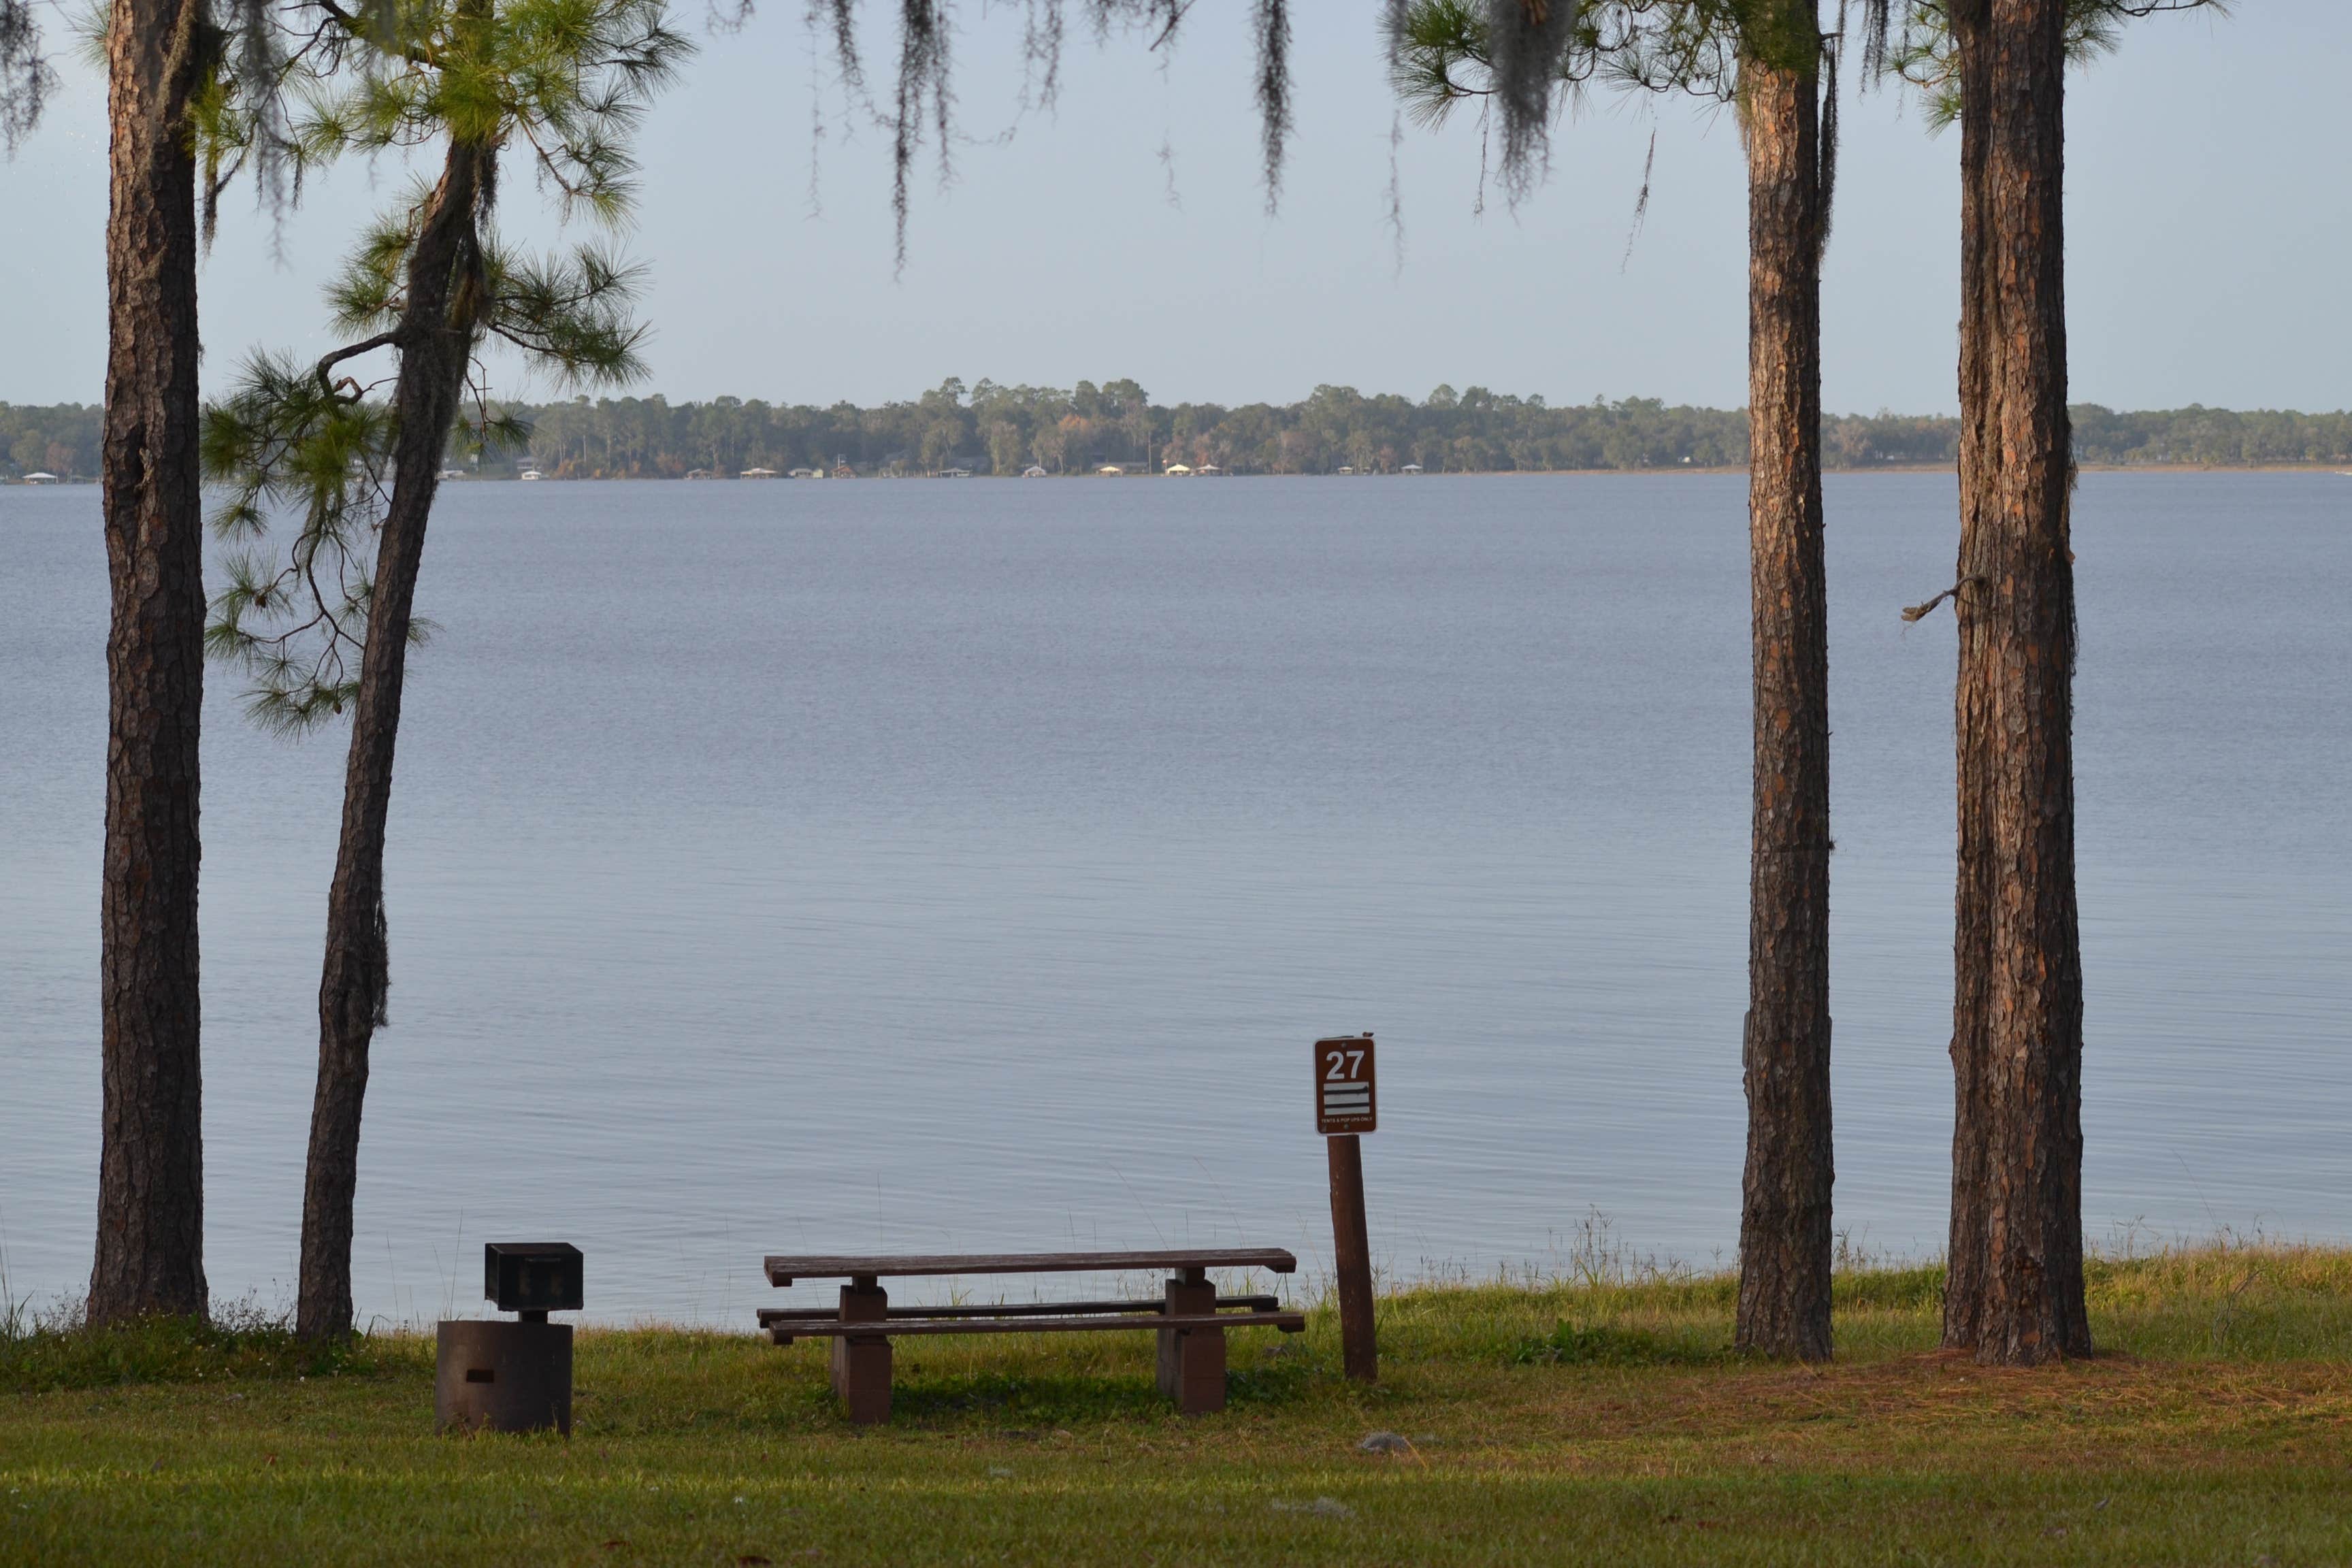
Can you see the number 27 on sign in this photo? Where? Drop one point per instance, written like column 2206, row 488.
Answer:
column 1345, row 1098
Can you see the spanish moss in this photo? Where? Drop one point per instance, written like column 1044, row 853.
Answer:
column 923, row 103
column 1161, row 19
column 1641, row 202
column 1826, row 183
column 1271, row 21
column 923, row 93
column 1396, row 190
column 25, row 76
column 843, row 17
column 1042, row 27
column 1528, row 39
column 1877, row 21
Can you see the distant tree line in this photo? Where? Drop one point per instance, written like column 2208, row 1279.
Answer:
column 62, row 439
column 992, row 429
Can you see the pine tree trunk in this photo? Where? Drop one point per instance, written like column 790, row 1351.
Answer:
column 444, row 283
column 150, row 1256
column 2014, row 1293
column 1785, row 1215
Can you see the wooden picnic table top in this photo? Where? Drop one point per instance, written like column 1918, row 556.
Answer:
column 784, row 1269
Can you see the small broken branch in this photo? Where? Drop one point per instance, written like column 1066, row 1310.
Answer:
column 1919, row 612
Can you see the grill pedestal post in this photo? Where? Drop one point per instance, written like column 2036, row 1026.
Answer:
column 491, row 1376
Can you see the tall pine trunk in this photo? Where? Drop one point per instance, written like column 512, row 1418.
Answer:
column 436, row 338
column 1785, row 1215
column 2014, row 1293
column 150, row 1256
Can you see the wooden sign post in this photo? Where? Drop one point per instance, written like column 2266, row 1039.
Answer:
column 1347, row 1104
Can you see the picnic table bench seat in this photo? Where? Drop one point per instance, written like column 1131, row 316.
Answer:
column 780, row 1321
column 1190, row 1319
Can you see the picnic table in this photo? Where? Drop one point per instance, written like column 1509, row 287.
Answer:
column 1190, row 1317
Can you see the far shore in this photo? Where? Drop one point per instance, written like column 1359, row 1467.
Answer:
column 1493, row 473
column 1511, row 473
column 81, row 483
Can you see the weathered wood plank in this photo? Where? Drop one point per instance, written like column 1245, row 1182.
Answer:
column 785, row 1268
column 892, row 1328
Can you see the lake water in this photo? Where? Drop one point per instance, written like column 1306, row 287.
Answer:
column 962, row 865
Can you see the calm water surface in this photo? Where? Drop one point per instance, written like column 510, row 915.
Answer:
column 946, row 866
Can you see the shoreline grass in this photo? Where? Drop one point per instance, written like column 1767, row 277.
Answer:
column 1600, row 1421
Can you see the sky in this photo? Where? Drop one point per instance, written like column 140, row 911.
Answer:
column 1125, row 234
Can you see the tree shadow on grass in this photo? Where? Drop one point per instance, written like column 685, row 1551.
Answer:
column 1605, row 1344
column 1024, row 1400
column 1045, row 1402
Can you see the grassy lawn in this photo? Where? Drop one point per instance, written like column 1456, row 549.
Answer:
column 1605, row 1423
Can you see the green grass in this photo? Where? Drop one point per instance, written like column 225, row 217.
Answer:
column 1606, row 1422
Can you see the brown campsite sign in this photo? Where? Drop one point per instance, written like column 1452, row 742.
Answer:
column 1345, row 1098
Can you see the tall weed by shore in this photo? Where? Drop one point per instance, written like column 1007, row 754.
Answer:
column 54, row 1349
column 2233, row 1297
column 2242, row 1297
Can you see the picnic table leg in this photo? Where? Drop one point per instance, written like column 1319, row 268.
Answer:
column 1192, row 1361
column 861, row 1366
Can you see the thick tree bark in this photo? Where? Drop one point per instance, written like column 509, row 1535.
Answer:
column 2014, row 1293
column 1785, row 1215
column 150, row 1256
column 437, row 326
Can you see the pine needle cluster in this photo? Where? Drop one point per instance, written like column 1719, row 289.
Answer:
column 566, row 82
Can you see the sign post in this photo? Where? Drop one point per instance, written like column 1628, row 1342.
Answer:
column 1347, row 1105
